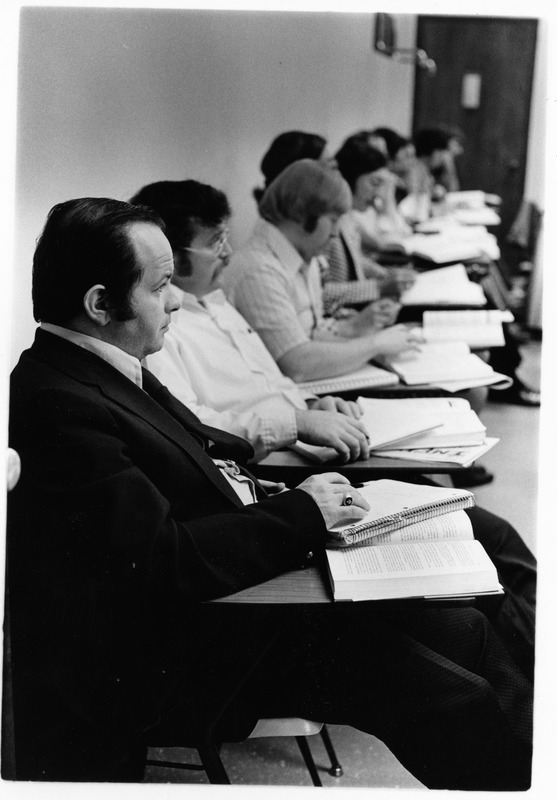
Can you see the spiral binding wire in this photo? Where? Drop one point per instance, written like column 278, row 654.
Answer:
column 406, row 517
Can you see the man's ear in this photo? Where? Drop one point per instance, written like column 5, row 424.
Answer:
column 96, row 306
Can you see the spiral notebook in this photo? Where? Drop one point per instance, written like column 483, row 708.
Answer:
column 395, row 504
column 367, row 377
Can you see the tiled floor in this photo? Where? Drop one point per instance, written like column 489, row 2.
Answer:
column 366, row 761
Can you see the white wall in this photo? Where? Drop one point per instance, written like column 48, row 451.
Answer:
column 111, row 99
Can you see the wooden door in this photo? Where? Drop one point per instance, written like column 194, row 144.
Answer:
column 501, row 51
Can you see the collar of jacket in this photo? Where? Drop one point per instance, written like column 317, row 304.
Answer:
column 89, row 369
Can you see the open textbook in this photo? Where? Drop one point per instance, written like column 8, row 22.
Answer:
column 457, row 242
column 435, row 558
column 470, row 198
column 457, row 423
column 479, row 328
column 446, row 286
column 395, row 504
column 449, row 365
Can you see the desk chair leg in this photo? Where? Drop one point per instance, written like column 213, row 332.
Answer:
column 335, row 770
column 211, row 764
column 211, row 760
column 308, row 758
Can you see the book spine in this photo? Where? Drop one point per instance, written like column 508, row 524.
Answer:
column 359, row 533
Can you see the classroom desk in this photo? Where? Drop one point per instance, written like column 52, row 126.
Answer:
column 310, row 585
column 292, row 468
column 301, row 586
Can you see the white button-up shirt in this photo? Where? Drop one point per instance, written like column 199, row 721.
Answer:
column 215, row 363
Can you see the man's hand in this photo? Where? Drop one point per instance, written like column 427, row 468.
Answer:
column 331, row 429
column 271, row 487
column 329, row 491
column 395, row 340
column 377, row 314
column 398, row 281
column 328, row 403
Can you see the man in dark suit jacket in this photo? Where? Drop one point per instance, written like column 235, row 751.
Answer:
column 130, row 514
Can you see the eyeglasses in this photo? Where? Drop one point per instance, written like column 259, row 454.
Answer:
column 215, row 250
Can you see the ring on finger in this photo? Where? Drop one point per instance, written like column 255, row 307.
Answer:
column 348, row 499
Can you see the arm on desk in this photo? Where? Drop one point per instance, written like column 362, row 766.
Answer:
column 316, row 359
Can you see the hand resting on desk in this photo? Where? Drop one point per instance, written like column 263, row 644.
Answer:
column 377, row 314
column 345, row 434
column 399, row 280
column 330, row 403
column 329, row 491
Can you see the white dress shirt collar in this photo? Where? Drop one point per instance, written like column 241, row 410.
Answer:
column 125, row 363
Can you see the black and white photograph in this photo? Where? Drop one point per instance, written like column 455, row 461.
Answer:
column 277, row 322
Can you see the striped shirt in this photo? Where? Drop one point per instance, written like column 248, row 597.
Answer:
column 278, row 293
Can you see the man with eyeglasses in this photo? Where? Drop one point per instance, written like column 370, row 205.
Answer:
column 125, row 522
column 212, row 360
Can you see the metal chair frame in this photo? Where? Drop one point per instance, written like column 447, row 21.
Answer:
column 211, row 762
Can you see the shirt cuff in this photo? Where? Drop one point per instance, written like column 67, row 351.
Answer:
column 281, row 431
column 275, row 433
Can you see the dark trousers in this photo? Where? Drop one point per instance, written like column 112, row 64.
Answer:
column 446, row 688
column 435, row 684
column 513, row 614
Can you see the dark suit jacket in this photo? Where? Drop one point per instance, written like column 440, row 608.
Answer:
column 119, row 527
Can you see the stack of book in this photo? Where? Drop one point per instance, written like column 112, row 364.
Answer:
column 447, row 365
column 442, row 431
column 458, row 439
column 416, row 541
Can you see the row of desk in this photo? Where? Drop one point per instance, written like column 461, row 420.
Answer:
column 310, row 585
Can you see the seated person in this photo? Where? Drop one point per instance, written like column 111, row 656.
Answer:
column 275, row 282
column 373, row 224
column 130, row 515
column 288, row 147
column 434, row 157
column 211, row 359
column 401, row 155
column 414, row 163
column 437, row 149
column 446, row 175
column 293, row 146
